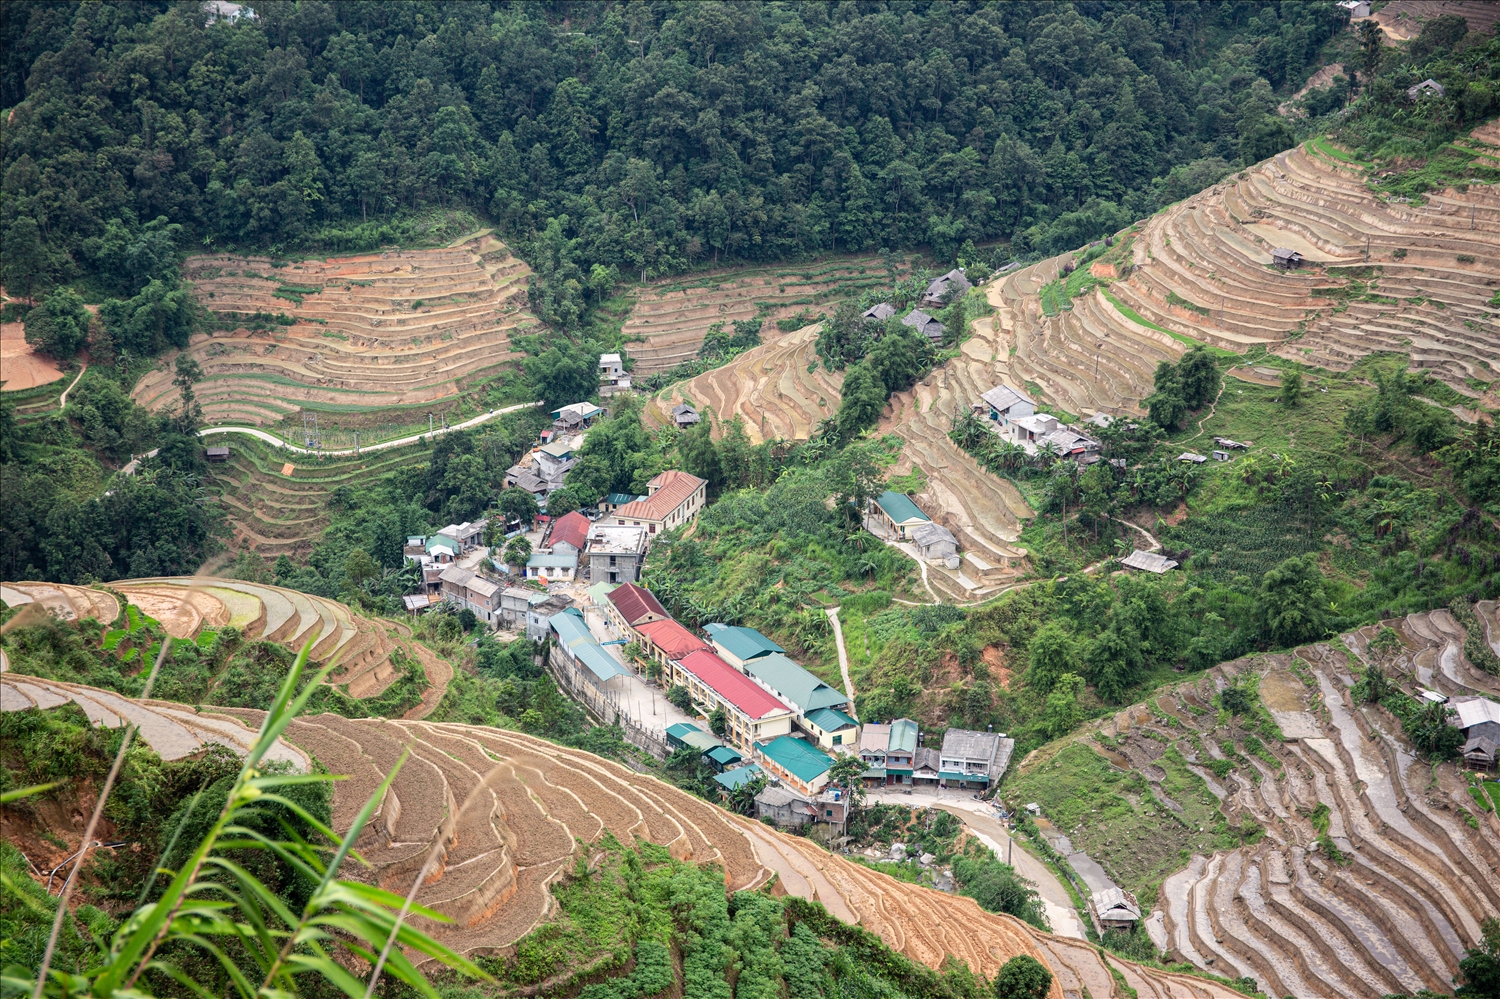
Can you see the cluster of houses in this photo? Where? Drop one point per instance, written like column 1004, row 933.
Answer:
column 939, row 292
column 1013, row 415
column 782, row 721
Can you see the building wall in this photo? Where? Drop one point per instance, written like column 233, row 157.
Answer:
column 627, row 568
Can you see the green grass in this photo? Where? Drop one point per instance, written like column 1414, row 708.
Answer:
column 1136, row 317
column 1323, row 146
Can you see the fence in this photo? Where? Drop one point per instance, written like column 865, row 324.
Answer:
column 603, row 704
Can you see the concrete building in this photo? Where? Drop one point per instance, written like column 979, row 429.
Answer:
column 901, row 751
column 552, row 567
column 1002, row 404
column 874, row 738
column 569, row 533
column 465, row 589
column 935, row 542
column 576, row 650
column 738, row 645
column 630, row 606
column 835, row 731
column 896, row 515
column 615, row 553
column 612, row 376
column 514, row 602
column 753, row 714
column 539, row 614
column 972, row 759
column 667, row 640
column 672, row 499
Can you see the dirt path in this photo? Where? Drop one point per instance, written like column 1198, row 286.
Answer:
column 838, row 641
column 399, row 442
column 1214, row 405
column 62, row 400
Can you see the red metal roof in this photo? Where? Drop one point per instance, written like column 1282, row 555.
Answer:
column 732, row 685
column 669, row 490
column 636, row 603
column 571, row 528
column 671, row 637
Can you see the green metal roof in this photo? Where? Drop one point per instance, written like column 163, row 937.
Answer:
column 830, row 719
column 737, row 777
column 874, row 772
column 723, row 755
column 797, row 758
column 571, row 631
column 899, row 507
column 960, row 775
column 681, row 729
column 742, row 643
column 903, row 736
column 793, row 683
column 701, row 741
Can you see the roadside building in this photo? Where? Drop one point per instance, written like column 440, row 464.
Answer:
column 630, row 606
column 552, row 567
column 1114, row 909
column 926, row 767
column 797, row 764
column 901, row 751
column 752, row 714
column 895, row 515
column 874, row 738
column 794, row 685
column 673, row 498
column 834, row 730
column 785, row 807
column 972, row 759
column 615, row 553
column 571, row 419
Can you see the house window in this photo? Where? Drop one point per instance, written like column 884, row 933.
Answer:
column 838, row 740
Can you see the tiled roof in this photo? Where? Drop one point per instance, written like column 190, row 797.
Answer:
column 636, row 603
column 572, row 529
column 668, row 491
column 793, row 683
column 740, row 642
column 731, row 685
column 797, row 758
column 671, row 637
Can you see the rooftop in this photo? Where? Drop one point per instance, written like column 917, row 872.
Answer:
column 740, row 642
column 738, row 777
column 671, row 637
column 552, row 560
column 1149, row 561
column 667, row 492
column 609, row 359
column 903, row 736
column 571, row 629
column 616, row 540
column 723, row 755
column 805, row 691
column 797, row 757
column 682, row 728
column 969, row 744
column 731, row 685
column 899, row 507
column 636, row 603
column 775, row 797
column 570, row 529
column 931, row 534
column 1002, row 397
column 600, row 663
column 831, row 719
column 874, row 737
column 879, row 312
column 1476, row 711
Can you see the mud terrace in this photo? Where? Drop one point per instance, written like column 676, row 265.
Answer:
column 372, row 331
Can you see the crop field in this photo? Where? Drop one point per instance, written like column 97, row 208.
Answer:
column 273, row 512
column 675, row 316
column 395, row 331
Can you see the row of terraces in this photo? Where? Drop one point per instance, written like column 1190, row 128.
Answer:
column 361, row 648
column 672, row 318
column 779, row 389
column 1374, row 869
column 1377, row 275
column 371, row 331
column 278, row 503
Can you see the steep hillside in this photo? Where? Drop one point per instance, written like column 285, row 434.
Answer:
column 1303, row 842
column 373, row 331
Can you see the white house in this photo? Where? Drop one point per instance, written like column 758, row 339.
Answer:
column 612, row 376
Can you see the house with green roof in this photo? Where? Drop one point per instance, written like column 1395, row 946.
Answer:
column 796, row 763
column 738, row 645
column 721, row 757
column 901, row 751
column 793, row 684
column 685, row 735
column 895, row 515
column 835, row 731
column 732, row 780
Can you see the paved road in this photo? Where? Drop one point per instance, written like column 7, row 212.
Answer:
column 383, row 445
column 838, row 641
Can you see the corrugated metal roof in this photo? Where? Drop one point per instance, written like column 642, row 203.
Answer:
column 731, row 685
column 797, row 758
column 903, row 736
column 599, row 662
column 672, row 638
column 805, row 691
column 738, row 777
column 899, row 507
column 571, row 631
column 1149, row 561
column 742, row 643
column 636, row 603
column 830, row 719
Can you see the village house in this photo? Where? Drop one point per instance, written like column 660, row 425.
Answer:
column 468, row 534
column 878, row 313
column 1114, row 909
column 552, row 567
column 874, row 737
column 1479, row 718
column 612, row 502
column 835, row 731
column 973, row 759
column 672, row 499
column 569, row 533
column 1002, row 404
column 925, row 325
column 1148, row 561
column 539, row 614
column 901, row 751
column 1427, row 88
column 732, row 780
column 935, row 542
column 1286, row 259
column 612, row 376
column 785, row 807
column 926, row 767
column 1356, row 8
column 685, row 416
column 514, row 602
column 795, row 763
column 752, row 714
column 615, row 553
column 894, row 515
column 572, row 419
column 462, row 588
column 542, row 472
column 1041, row 431
column 686, row 735
column 629, row 606
column 946, row 289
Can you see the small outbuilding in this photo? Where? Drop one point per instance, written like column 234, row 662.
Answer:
column 879, row 313
column 684, row 415
column 934, row 541
column 1222, row 455
column 1114, row 909
column 1148, row 561
column 216, row 454
column 1286, row 259
column 1427, row 88
column 924, row 324
column 1196, row 459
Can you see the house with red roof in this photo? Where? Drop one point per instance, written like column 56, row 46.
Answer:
column 672, row 499
column 667, row 640
column 754, row 714
column 569, row 534
column 629, row 606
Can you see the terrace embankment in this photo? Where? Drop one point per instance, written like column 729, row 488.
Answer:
column 373, row 331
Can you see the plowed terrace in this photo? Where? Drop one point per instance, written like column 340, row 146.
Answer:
column 371, row 331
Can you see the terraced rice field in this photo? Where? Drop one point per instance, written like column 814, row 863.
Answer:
column 779, row 389
column 274, row 512
column 361, row 647
column 1412, row 870
column 1403, row 19
column 1202, row 270
column 674, row 317
column 373, row 331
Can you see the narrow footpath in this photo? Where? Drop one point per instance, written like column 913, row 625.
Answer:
column 383, row 445
column 838, row 641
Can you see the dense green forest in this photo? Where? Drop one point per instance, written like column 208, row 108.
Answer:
column 649, row 138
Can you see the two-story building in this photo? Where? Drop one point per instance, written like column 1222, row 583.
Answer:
column 752, row 713
column 835, row 731
column 874, row 737
column 613, row 378
column 667, row 640
column 514, row 602
column 462, row 588
column 630, row 606
column 971, row 759
column 901, row 751
column 672, row 499
column 615, row 553
column 738, row 645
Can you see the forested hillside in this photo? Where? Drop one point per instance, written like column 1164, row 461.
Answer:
column 648, row 137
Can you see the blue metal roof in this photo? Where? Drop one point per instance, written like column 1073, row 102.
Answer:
column 831, row 719
column 571, row 630
column 723, row 755
column 797, row 758
column 903, row 738
column 599, row 662
column 737, row 777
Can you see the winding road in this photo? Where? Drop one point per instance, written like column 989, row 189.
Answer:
column 383, row 445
